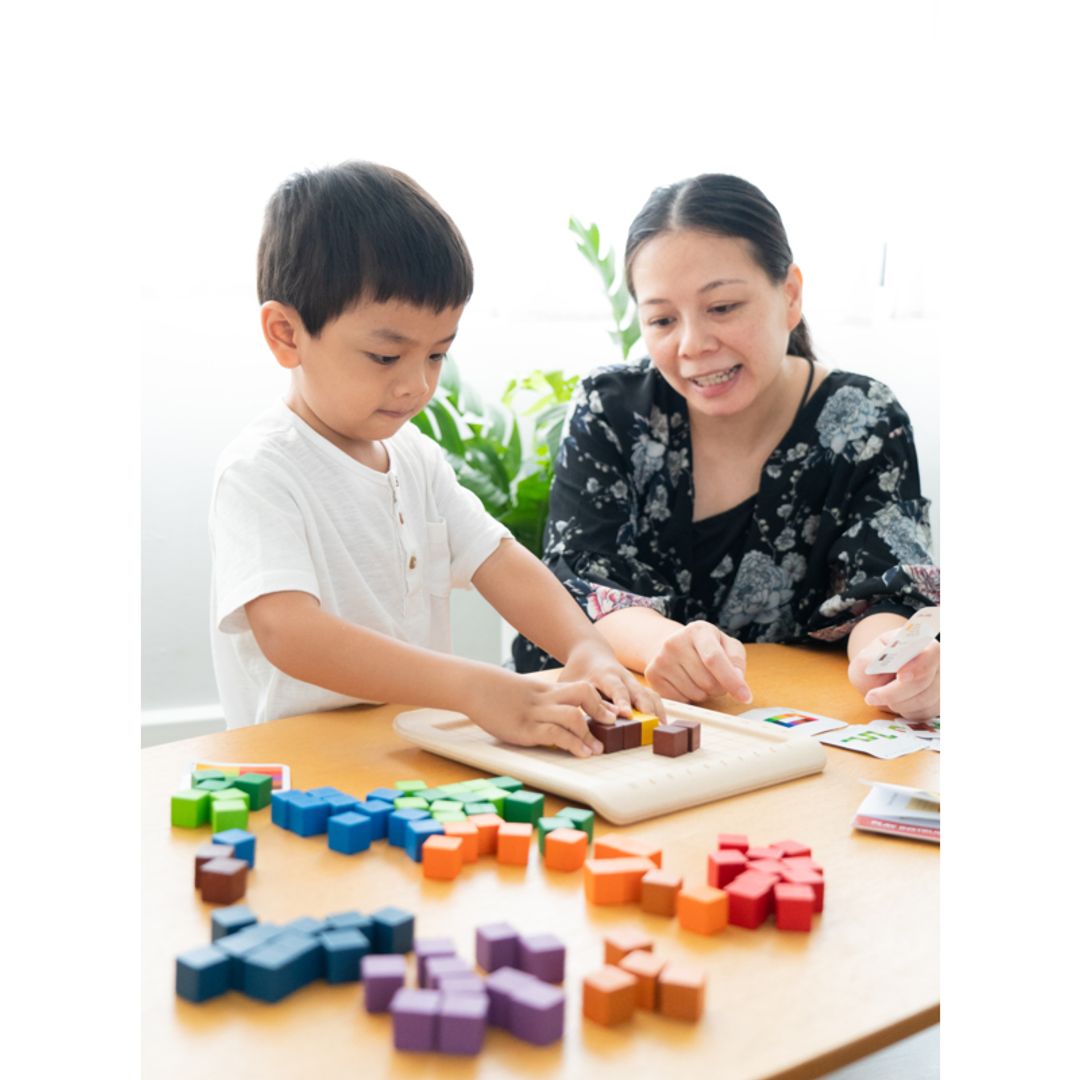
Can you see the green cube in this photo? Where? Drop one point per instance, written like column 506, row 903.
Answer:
column 410, row 786
column 507, row 783
column 213, row 785
column 495, row 796
column 199, row 775
column 432, row 794
column 524, row 806
column 472, row 808
column 473, row 785
column 579, row 818
column 228, row 814
column 410, row 802
column 231, row 794
column 444, row 804
column 449, row 815
column 257, row 786
column 190, row 808
column 546, row 825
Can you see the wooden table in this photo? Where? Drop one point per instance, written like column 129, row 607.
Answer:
column 779, row 1004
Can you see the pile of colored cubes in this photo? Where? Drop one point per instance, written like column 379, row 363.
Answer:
column 452, row 1007
column 673, row 739
column 269, row 962
column 219, row 800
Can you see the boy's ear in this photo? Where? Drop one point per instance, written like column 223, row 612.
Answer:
column 793, row 291
column 282, row 326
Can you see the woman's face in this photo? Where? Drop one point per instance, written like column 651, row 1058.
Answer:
column 715, row 326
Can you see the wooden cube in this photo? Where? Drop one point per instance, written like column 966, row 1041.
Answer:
column 645, row 967
column 724, row 866
column 670, row 740
column 566, row 849
column 609, row 996
column 487, row 827
column 610, row 736
column 807, row 877
column 794, row 906
column 682, row 991
column 734, row 841
column 513, row 843
column 649, row 723
column 626, row 940
column 615, row 881
column 631, row 733
column 205, row 852
column 223, row 880
column 693, row 731
column 791, row 848
column 619, row 847
column 468, row 834
column 659, row 889
column 442, row 857
column 749, row 899
column 702, row 909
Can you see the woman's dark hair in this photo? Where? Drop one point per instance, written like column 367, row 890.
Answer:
column 359, row 230
column 727, row 206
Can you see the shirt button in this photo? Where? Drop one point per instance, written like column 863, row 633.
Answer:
column 401, row 518
column 412, row 562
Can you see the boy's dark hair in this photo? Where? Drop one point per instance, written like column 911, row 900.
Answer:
column 728, row 206
column 359, row 231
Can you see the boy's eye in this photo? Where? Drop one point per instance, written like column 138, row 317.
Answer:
column 438, row 357
column 382, row 359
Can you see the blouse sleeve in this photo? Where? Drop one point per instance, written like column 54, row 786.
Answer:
column 880, row 559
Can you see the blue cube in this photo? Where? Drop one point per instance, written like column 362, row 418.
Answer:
column 350, row 920
column 281, row 966
column 344, row 949
column 308, row 815
column 306, row 924
column 242, row 841
column 384, row 794
column 279, row 806
column 379, row 812
column 339, row 803
column 396, row 822
column 416, row 832
column 393, row 930
column 237, row 946
column 202, row 974
column 349, row 833
column 229, row 920
column 323, row 792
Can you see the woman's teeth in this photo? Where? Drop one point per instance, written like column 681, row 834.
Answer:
column 717, row 378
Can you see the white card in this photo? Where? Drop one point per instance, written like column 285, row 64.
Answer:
column 795, row 720
column 927, row 730
column 876, row 743
column 910, row 640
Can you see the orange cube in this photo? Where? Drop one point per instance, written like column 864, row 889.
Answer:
column 682, row 991
column 487, row 826
column 646, row 968
column 619, row 943
column 514, row 842
column 442, row 857
column 659, row 890
column 703, row 909
column 610, row 995
column 615, row 881
column 619, row 847
column 566, row 849
column 470, row 838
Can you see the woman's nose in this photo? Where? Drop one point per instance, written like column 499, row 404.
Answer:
column 696, row 338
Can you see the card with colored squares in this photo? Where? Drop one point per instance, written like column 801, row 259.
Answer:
column 735, row 755
column 278, row 773
column 796, row 720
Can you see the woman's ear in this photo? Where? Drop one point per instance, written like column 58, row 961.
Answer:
column 793, row 294
column 282, row 326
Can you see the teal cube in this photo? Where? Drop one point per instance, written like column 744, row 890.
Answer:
column 257, row 787
column 473, row 785
column 524, row 806
column 507, row 783
column 546, row 825
column 579, row 818
column 495, row 796
column 449, row 815
column 213, row 784
column 443, row 804
column 228, row 814
column 410, row 802
column 472, row 808
column 199, row 775
column 190, row 808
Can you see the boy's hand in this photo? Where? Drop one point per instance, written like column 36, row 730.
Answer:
column 534, row 712
column 595, row 663
column 913, row 693
column 697, row 662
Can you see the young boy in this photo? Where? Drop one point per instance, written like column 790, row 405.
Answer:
column 337, row 529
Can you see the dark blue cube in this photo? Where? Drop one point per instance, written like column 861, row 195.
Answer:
column 281, row 966
column 242, row 841
column 350, row 920
column 393, row 930
column 343, row 950
column 202, row 973
column 237, row 946
column 416, row 832
column 384, row 794
column 229, row 920
column 306, row 924
column 308, row 815
column 396, row 822
column 379, row 812
column 349, row 833
column 323, row 792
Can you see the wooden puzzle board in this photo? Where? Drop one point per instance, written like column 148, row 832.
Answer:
column 736, row 755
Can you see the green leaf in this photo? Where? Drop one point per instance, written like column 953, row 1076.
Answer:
column 449, row 433
column 423, row 421
column 450, row 381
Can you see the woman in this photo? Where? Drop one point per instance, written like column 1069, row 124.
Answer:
column 728, row 488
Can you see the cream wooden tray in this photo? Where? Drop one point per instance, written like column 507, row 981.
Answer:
column 736, row 755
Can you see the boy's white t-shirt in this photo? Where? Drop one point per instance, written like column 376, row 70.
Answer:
column 292, row 512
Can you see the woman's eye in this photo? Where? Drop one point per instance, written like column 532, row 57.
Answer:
column 661, row 322
column 384, row 360
column 723, row 309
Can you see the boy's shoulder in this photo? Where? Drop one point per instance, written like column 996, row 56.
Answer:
column 268, row 437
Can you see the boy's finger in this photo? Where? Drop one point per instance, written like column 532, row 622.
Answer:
column 549, row 734
column 588, row 698
column 646, row 700
column 573, row 721
column 616, row 690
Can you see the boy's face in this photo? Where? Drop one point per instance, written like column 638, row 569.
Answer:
column 368, row 372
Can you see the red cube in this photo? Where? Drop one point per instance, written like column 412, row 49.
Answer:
column 807, row 877
column 794, row 906
column 725, row 866
column 749, row 899
column 734, row 841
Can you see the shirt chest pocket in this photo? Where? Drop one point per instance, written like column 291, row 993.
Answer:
column 437, row 571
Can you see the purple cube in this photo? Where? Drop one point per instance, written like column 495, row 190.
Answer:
column 384, row 976
column 462, row 1023
column 500, row 988
column 415, row 1014
column 537, row 1012
column 462, row 984
column 438, row 967
column 428, row 947
column 496, row 946
column 542, row 955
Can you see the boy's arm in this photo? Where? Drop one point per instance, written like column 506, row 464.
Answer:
column 529, row 596
column 307, row 643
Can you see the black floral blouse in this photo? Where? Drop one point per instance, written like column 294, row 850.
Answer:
column 837, row 531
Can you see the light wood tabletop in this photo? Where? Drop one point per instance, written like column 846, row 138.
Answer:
column 779, row 1004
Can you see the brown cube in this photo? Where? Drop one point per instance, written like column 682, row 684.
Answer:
column 693, row 728
column 646, row 968
column 610, row 995
column 609, row 735
column 631, row 733
column 619, row 943
column 682, row 991
column 206, row 852
column 670, row 740
column 659, row 888
column 224, row 881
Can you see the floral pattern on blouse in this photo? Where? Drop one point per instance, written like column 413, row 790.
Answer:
column 839, row 528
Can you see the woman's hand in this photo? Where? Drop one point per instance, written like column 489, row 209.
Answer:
column 697, row 662
column 593, row 662
column 913, row 693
